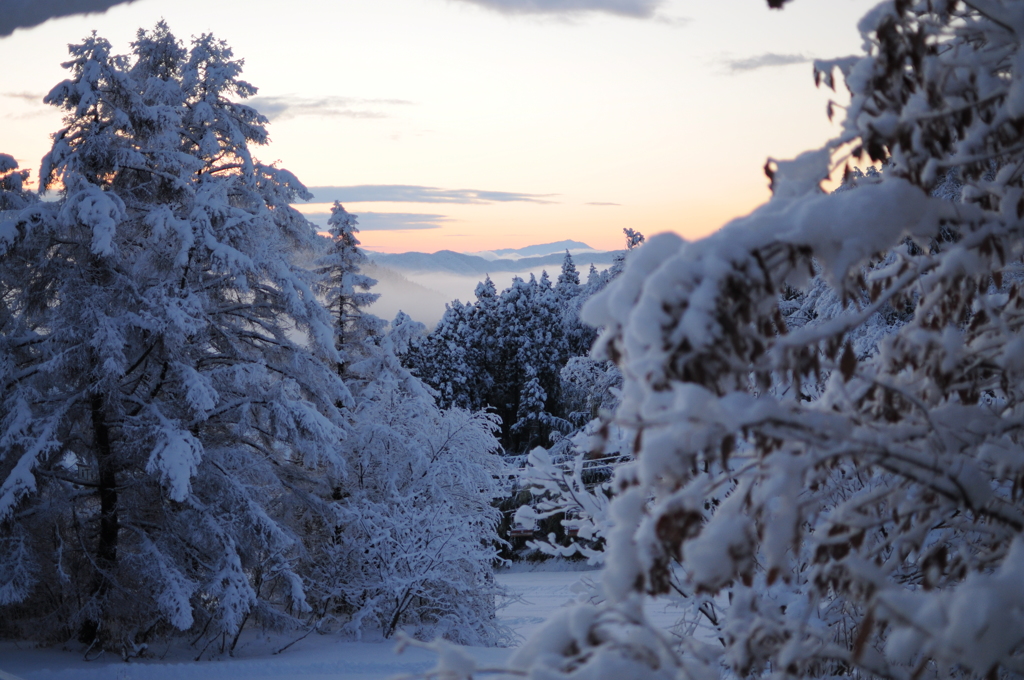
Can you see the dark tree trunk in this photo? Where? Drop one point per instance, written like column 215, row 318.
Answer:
column 106, row 545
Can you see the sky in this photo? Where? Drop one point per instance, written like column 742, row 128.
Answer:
column 473, row 125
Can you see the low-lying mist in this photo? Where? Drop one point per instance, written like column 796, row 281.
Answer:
column 423, row 295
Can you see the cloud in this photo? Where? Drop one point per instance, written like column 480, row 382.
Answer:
column 766, row 60
column 641, row 9
column 375, row 221
column 404, row 193
column 31, row 97
column 27, row 13
column 285, row 107
column 602, row 203
column 27, row 97
column 674, row 22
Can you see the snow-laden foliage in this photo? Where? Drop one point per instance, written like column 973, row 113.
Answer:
column 13, row 195
column 416, row 538
column 501, row 352
column 840, row 496
column 413, row 540
column 158, row 405
column 505, row 352
column 571, row 483
column 180, row 447
column 347, row 291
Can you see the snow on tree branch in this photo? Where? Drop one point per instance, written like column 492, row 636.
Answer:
column 840, row 494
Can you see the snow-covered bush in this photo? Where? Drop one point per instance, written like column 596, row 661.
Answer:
column 871, row 526
column 414, row 539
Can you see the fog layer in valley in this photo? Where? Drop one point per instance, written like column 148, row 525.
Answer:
column 424, row 294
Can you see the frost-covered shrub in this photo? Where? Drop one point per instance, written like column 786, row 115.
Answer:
column 414, row 541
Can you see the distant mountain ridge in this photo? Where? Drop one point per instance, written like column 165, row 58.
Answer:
column 474, row 265
column 538, row 250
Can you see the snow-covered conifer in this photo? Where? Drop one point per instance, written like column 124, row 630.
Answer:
column 440, row 358
column 568, row 277
column 347, row 291
column 579, row 337
column 482, row 339
column 159, row 416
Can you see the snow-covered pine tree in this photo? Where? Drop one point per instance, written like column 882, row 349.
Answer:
column 875, row 528
column 347, row 291
column 579, row 337
column 482, row 338
column 440, row 358
column 159, row 417
column 532, row 417
column 542, row 350
column 568, row 278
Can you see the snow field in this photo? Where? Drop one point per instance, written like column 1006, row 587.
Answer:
column 537, row 595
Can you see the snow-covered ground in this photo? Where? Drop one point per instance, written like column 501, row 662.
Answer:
column 317, row 657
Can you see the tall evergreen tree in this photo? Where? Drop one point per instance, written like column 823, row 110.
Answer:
column 482, row 340
column 178, row 450
column 347, row 291
column 579, row 337
column 446, row 368
column 568, row 278
column 159, row 415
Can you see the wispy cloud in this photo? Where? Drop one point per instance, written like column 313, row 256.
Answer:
column 26, row 97
column 405, row 193
column 641, row 9
column 27, row 13
column 285, row 107
column 766, row 60
column 602, row 203
column 32, row 97
column 376, row 221
column 674, row 22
